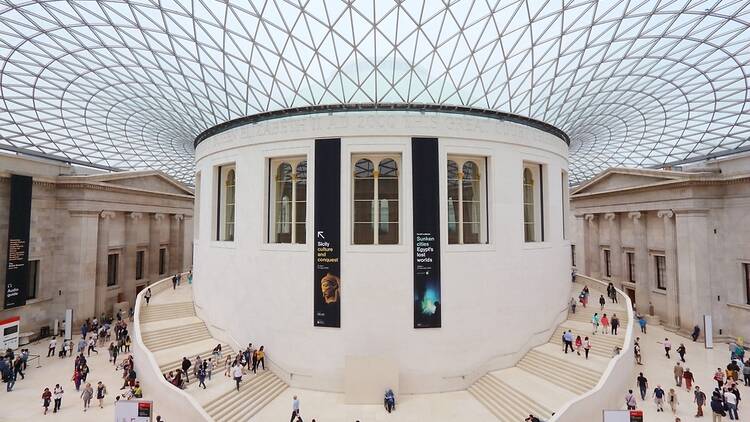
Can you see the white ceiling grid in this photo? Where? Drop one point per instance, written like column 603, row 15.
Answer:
column 129, row 84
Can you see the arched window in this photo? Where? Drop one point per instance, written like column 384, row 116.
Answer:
column 467, row 214
column 289, row 200
column 529, row 211
column 229, row 206
column 375, row 201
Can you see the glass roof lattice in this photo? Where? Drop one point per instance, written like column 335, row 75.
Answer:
column 129, row 84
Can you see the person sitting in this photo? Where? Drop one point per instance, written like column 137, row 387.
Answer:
column 389, row 401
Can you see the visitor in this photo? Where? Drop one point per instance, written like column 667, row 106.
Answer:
column 261, row 358
column 642, row 323
column 579, row 344
column 174, row 282
column 568, row 341
column 700, row 400
column 57, row 395
column 52, row 346
column 185, row 366
column 216, row 353
column 595, row 322
column 190, row 277
column 696, row 333
column 605, row 324
column 137, row 390
column 642, row 385
column 673, row 400
column 658, row 396
column 630, row 400
column 87, row 395
column 209, row 367
column 228, row 366
column 719, row 377
column 572, row 306
column 681, row 351
column 101, row 391
column 678, row 371
column 295, row 408
column 730, row 399
column 586, row 346
column 746, row 373
column 197, row 365
column 667, row 347
column 237, row 374
column 688, row 377
column 18, row 368
column 602, row 302
column 637, row 351
column 92, row 345
column 390, row 401
column 147, row 295
column 615, row 322
column 46, row 398
column 717, row 408
column 201, row 376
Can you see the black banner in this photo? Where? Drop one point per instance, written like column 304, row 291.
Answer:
column 327, row 290
column 425, row 183
column 19, row 225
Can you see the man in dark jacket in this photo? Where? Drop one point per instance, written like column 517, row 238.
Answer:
column 185, row 366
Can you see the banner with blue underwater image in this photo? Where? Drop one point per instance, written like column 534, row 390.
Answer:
column 426, row 189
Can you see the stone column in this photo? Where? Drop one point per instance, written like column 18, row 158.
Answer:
column 131, row 242
column 615, row 247
column 174, row 243
column 642, row 284
column 154, row 244
column 694, row 295
column 187, row 242
column 80, row 254
column 102, row 252
column 670, row 257
column 592, row 246
column 581, row 242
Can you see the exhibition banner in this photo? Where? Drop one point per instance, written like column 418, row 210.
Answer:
column 327, row 286
column 426, row 205
column 19, row 224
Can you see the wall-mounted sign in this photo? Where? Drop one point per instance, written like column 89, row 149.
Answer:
column 134, row 410
column 9, row 330
column 425, row 185
column 19, row 225
column 327, row 285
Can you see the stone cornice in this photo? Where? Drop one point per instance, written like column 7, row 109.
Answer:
column 669, row 184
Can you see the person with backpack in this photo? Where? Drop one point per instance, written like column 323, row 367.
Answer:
column 717, row 408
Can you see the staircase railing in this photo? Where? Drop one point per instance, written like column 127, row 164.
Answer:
column 176, row 403
column 609, row 393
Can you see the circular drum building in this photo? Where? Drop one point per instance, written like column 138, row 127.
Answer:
column 427, row 240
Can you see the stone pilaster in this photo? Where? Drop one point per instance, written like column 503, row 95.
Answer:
column 592, row 246
column 102, row 252
column 131, row 242
column 642, row 284
column 81, row 243
column 189, row 231
column 670, row 257
column 615, row 246
column 154, row 244
column 695, row 296
column 175, row 243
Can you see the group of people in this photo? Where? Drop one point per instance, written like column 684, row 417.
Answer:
column 176, row 279
column 251, row 358
column 12, row 366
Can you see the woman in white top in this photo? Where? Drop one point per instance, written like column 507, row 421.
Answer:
column 57, row 394
column 237, row 375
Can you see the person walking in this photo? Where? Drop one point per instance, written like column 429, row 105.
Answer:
column 46, row 398
column 209, row 367
column 57, row 395
column 678, row 371
column 18, row 368
column 700, row 400
column 174, row 282
column 579, row 344
column 642, row 323
column 696, row 333
column 52, row 346
column 673, row 400
column 682, row 351
column 688, row 377
column 87, row 395
column 190, row 277
column 261, row 358
column 717, row 408
column 667, row 347
column 719, row 377
column 602, row 302
column 101, row 392
column 76, row 379
column 730, row 399
column 586, row 346
column 202, row 377
column 615, row 324
column 642, row 385
column 595, row 322
column 237, row 374
column 630, row 400
column 92, row 345
column 746, row 373
column 295, row 408
column 147, row 295
column 228, row 367
column 185, row 366
column 658, row 396
column 637, row 352
column 572, row 306
column 605, row 324
column 568, row 340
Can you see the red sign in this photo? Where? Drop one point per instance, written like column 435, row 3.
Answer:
column 9, row 320
column 636, row 416
column 144, row 409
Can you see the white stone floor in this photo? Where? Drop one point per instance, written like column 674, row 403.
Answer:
column 24, row 403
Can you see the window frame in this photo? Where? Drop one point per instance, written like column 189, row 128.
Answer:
column 112, row 270
column 376, row 158
column 607, row 263
column 630, row 258
column 482, row 164
column 140, row 259
column 660, row 267
column 162, row 260
column 573, row 255
column 746, row 273
column 537, row 171
column 273, row 165
column 34, row 264
column 220, row 229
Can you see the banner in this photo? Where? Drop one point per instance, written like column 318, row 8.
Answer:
column 426, row 205
column 19, row 224
column 327, row 286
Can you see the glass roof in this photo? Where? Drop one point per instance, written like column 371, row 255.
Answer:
column 129, row 84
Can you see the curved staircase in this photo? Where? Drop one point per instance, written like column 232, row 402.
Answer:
column 171, row 330
column 544, row 379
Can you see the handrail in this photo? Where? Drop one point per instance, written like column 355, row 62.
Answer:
column 149, row 356
column 584, row 400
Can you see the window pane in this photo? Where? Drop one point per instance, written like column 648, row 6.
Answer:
column 529, row 232
column 453, row 190
column 388, row 234
column 471, row 232
column 363, row 211
column 300, row 232
column 363, row 233
column 472, row 212
column 300, row 211
column 388, row 168
column 452, row 233
column 388, row 211
column 301, row 187
column 283, row 233
column 453, row 222
column 387, row 188
column 363, row 169
column 364, row 188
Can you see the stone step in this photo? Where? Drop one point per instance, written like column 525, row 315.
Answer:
column 568, row 375
column 234, row 405
column 506, row 402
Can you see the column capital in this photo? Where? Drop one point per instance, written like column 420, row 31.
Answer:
column 589, row 217
column 135, row 215
column 107, row 215
column 635, row 215
column 610, row 216
column 665, row 214
column 178, row 217
column 157, row 216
